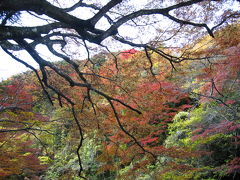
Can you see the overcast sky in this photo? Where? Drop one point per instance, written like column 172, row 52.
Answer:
column 9, row 67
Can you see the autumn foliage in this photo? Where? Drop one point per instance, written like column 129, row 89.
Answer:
column 185, row 120
column 18, row 154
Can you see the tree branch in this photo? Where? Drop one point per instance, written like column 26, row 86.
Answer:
column 102, row 12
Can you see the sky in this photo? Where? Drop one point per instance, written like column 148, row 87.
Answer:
column 9, row 67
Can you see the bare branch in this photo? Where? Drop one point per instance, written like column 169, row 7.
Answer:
column 24, row 129
column 80, row 141
column 104, row 10
column 14, row 32
column 126, row 132
column 234, row 15
column 214, row 98
column 191, row 23
column 75, row 6
column 34, row 70
column 150, row 61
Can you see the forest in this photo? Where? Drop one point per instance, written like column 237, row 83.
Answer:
column 165, row 109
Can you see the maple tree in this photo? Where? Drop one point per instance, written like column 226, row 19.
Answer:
column 160, row 94
column 154, row 95
column 214, row 125
column 17, row 121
